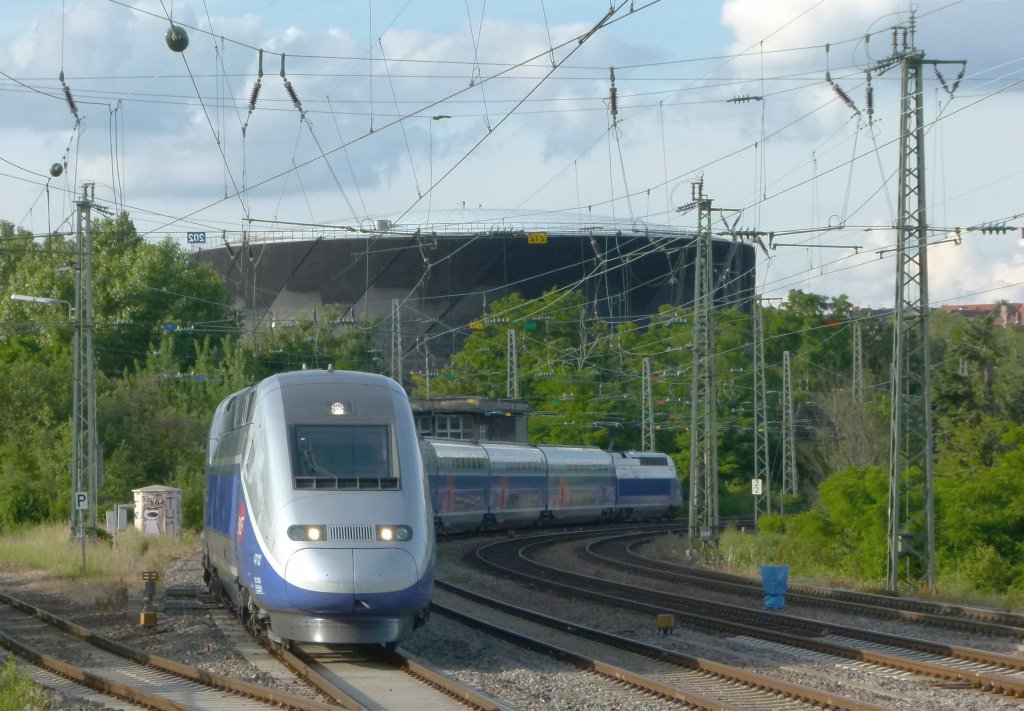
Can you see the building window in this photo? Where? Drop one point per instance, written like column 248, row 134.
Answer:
column 449, row 426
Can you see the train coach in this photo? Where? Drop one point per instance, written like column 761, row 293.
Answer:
column 477, row 485
column 317, row 521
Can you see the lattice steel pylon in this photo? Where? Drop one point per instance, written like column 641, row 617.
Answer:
column 84, row 436
column 396, row 341
column 647, row 407
column 512, row 366
column 703, row 398
column 858, row 363
column 911, row 527
column 762, row 466
column 789, row 479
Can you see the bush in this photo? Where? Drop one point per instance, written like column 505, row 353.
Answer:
column 17, row 690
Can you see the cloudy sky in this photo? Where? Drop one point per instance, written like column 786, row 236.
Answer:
column 420, row 111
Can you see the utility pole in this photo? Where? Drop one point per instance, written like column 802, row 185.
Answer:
column 84, row 438
column 426, row 362
column 858, row 363
column 396, row 341
column 911, row 526
column 703, row 398
column 762, row 467
column 647, row 406
column 512, row 366
column 789, row 483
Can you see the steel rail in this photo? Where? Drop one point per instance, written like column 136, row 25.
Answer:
column 299, row 661
column 994, row 622
column 444, row 682
column 184, row 671
column 996, row 682
column 712, row 668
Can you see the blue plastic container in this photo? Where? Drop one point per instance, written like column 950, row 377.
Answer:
column 775, row 579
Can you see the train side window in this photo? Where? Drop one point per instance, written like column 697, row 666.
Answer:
column 243, row 407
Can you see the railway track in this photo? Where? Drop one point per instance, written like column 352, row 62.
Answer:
column 621, row 551
column 646, row 670
column 373, row 678
column 957, row 666
column 89, row 661
column 83, row 663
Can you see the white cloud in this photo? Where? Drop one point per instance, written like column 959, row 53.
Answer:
column 801, row 148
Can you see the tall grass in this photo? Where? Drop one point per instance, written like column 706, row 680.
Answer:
column 17, row 690
column 114, row 565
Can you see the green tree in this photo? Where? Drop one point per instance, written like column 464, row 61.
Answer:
column 559, row 349
column 314, row 343
column 143, row 290
column 153, row 413
column 980, row 518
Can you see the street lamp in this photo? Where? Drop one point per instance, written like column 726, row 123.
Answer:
column 44, row 300
column 76, row 470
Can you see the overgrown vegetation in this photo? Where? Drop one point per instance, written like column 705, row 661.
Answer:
column 120, row 560
column 169, row 347
column 17, row 690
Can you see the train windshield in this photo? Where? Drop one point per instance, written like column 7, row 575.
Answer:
column 353, row 457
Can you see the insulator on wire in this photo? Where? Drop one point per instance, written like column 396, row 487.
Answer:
column 842, row 95
column 67, row 95
column 613, row 99
column 254, row 94
column 942, row 80
column 71, row 101
column 289, row 88
column 292, row 95
column 956, row 82
column 870, row 97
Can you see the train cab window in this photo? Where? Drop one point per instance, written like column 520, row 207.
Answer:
column 349, row 457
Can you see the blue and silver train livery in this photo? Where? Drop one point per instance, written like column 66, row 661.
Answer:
column 318, row 523
column 476, row 485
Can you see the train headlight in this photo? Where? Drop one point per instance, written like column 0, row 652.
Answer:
column 393, row 533
column 307, row 533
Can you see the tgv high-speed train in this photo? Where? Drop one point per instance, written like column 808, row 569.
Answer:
column 476, row 485
column 317, row 515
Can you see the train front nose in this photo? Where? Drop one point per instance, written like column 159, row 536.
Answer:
column 345, row 580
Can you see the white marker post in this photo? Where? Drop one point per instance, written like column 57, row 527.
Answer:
column 757, row 489
column 82, row 505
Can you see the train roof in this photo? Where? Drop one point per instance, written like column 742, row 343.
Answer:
column 313, row 376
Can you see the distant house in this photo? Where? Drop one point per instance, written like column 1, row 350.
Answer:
column 475, row 418
column 1003, row 313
